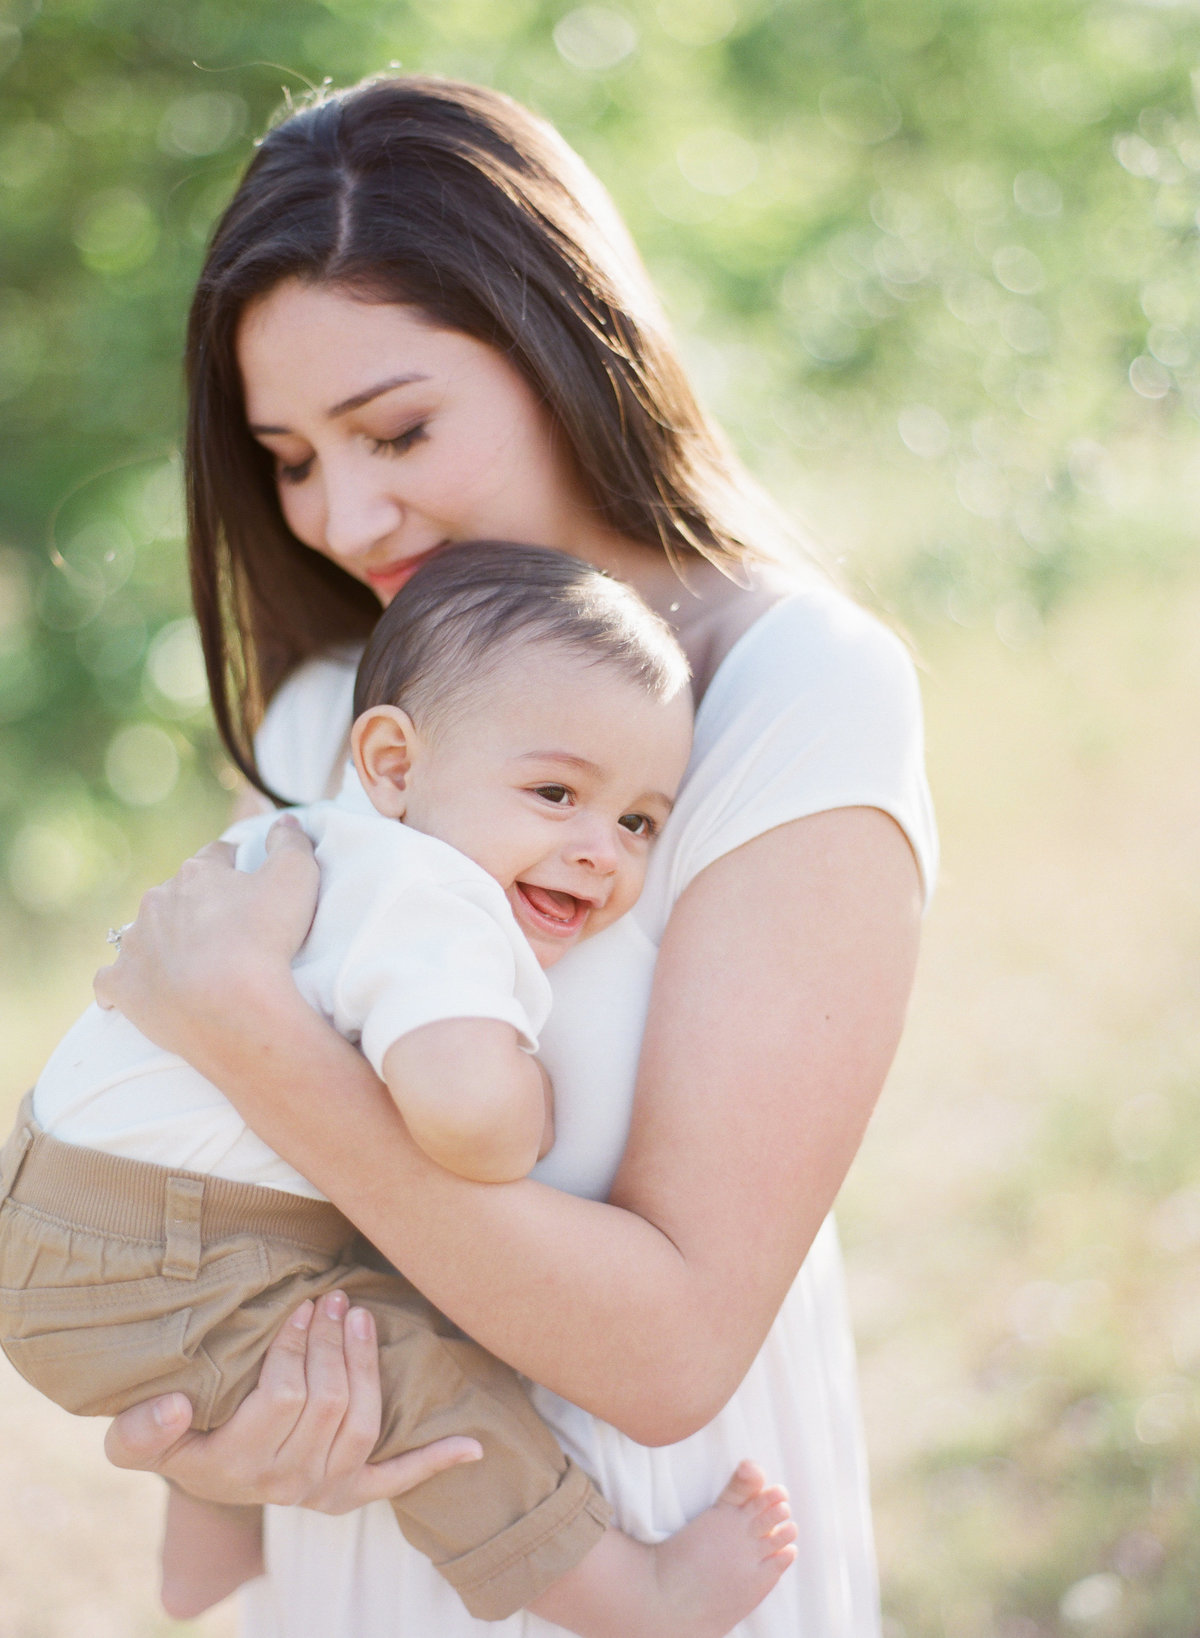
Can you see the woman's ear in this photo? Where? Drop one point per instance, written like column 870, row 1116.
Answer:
column 383, row 743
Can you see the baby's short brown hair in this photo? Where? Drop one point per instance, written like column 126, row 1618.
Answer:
column 474, row 605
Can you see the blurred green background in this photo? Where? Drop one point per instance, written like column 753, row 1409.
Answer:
column 933, row 264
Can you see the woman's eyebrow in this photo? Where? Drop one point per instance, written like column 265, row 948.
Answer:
column 377, row 391
column 355, row 401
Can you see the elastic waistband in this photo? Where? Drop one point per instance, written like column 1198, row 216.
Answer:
column 129, row 1198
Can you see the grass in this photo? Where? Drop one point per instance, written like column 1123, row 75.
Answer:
column 1022, row 1226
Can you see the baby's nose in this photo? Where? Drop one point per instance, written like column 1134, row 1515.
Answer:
column 595, row 845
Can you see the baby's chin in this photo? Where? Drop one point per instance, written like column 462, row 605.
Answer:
column 549, row 955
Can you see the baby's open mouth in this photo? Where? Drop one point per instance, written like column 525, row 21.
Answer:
column 559, row 913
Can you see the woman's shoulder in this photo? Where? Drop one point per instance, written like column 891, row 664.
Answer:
column 815, row 707
column 814, row 650
column 305, row 725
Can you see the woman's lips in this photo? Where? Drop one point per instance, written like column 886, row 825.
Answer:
column 561, row 915
column 392, row 576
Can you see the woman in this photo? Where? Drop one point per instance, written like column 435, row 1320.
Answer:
column 420, row 321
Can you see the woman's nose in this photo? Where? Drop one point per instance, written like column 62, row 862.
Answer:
column 358, row 513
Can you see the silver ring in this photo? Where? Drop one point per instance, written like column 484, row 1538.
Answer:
column 113, row 936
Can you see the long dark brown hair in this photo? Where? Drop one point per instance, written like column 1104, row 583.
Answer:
column 456, row 200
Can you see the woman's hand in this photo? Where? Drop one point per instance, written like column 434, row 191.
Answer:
column 210, row 930
column 301, row 1438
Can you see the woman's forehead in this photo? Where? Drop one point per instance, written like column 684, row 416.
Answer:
column 339, row 350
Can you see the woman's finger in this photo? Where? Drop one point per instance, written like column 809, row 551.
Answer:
column 288, row 848
column 102, row 987
column 353, row 1481
column 359, row 1431
column 145, row 1435
column 218, row 853
column 291, row 876
column 279, row 1398
column 241, row 1461
column 381, row 1480
column 287, row 831
column 327, row 1391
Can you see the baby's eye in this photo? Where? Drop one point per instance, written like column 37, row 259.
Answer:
column 399, row 445
column 639, row 824
column 559, row 795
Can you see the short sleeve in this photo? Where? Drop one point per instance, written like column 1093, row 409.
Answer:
column 816, row 707
column 300, row 743
column 453, row 959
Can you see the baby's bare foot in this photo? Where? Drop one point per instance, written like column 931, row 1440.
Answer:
column 722, row 1565
column 698, row 1584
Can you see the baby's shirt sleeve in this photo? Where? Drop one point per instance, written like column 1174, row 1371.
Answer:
column 408, row 932
column 435, row 952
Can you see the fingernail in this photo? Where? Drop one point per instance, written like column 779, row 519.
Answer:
column 302, row 1318
column 167, row 1411
column 360, row 1324
column 334, row 1305
column 469, row 1456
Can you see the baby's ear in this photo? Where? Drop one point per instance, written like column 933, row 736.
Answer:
column 383, row 743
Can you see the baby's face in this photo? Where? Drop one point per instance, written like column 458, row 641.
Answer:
column 556, row 782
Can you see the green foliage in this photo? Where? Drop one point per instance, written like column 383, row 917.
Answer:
column 934, row 265
column 939, row 244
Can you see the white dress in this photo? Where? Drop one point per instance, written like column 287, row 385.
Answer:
column 816, row 707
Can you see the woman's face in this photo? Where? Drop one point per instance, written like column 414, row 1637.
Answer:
column 392, row 438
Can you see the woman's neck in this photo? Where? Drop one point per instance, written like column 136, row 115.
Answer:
column 706, row 609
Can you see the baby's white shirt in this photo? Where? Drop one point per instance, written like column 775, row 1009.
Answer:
column 407, row 932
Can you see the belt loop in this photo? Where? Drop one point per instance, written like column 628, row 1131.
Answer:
column 18, row 1145
column 185, row 1196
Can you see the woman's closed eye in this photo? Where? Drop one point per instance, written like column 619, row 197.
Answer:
column 402, row 443
column 298, row 471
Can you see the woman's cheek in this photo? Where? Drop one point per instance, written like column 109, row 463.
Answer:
column 299, row 513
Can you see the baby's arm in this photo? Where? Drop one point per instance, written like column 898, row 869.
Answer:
column 471, row 1097
column 209, row 1550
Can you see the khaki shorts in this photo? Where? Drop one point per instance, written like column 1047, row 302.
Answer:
column 121, row 1280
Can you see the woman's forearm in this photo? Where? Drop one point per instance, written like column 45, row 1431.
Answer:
column 593, row 1301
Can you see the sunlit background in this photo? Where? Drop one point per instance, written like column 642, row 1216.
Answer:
column 934, row 264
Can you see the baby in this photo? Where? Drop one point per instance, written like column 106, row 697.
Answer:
column 521, row 726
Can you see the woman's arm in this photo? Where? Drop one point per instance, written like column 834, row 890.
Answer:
column 779, row 995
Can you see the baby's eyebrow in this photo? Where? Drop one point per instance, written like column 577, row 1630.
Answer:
column 567, row 759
